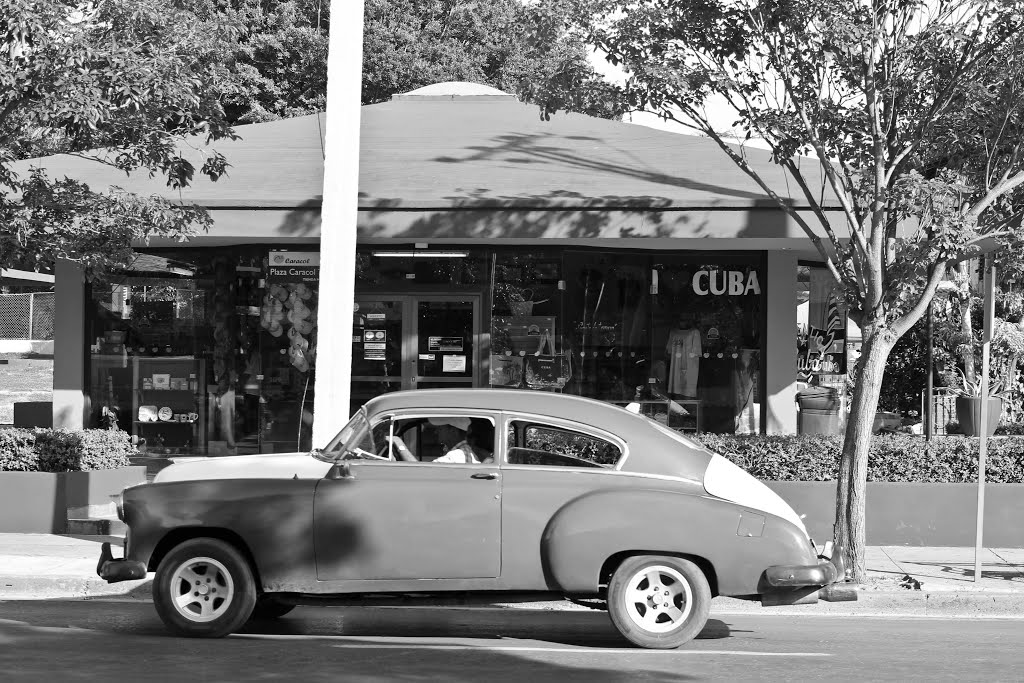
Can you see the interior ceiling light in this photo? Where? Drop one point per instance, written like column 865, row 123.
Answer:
column 421, row 254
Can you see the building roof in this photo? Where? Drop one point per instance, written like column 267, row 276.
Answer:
column 463, row 152
column 459, row 145
column 467, row 149
column 278, row 164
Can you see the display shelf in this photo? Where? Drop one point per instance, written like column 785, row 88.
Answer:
column 187, row 368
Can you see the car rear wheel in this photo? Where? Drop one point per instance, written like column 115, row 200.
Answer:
column 268, row 607
column 204, row 588
column 659, row 602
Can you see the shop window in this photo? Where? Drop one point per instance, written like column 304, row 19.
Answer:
column 607, row 312
column 824, row 341
column 706, row 341
column 207, row 351
column 527, row 341
column 555, row 446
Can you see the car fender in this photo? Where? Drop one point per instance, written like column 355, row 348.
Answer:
column 739, row 543
column 272, row 517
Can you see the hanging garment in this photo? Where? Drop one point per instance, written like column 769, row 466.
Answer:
column 684, row 350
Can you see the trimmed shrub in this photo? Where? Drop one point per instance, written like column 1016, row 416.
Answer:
column 62, row 450
column 17, row 451
column 892, row 458
column 1010, row 429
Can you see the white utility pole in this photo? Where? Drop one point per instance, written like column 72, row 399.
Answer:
column 338, row 221
column 989, row 265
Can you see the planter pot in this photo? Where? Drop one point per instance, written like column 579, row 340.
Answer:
column 818, row 398
column 968, row 414
column 38, row 502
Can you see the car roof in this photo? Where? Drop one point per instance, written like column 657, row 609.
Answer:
column 651, row 450
column 575, row 408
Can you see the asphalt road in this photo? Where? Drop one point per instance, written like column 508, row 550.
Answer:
column 93, row 640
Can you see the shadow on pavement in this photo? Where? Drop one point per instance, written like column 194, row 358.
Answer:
column 100, row 640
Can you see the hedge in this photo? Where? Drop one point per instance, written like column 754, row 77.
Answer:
column 63, row 450
column 892, row 458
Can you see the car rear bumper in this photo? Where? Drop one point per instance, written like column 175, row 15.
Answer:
column 114, row 570
column 798, row 584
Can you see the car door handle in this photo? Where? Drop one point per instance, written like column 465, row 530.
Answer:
column 484, row 475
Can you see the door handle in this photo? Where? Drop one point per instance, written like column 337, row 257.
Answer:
column 484, row 475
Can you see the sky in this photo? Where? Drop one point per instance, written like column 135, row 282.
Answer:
column 721, row 114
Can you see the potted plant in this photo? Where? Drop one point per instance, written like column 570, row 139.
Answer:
column 968, row 406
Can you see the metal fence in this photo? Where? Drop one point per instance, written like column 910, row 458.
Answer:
column 26, row 316
column 943, row 406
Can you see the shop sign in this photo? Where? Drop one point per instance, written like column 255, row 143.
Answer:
column 731, row 282
column 293, row 266
column 444, row 343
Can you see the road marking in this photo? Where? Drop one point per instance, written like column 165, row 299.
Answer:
column 902, row 616
column 517, row 648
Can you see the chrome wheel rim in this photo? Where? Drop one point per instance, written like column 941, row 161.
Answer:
column 658, row 599
column 202, row 589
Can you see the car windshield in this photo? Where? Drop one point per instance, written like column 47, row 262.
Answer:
column 355, row 436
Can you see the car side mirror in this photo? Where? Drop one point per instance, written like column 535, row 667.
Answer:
column 341, row 470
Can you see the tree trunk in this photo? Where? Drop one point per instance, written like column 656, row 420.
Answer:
column 966, row 323
column 851, row 486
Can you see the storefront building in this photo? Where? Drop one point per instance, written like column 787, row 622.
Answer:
column 575, row 255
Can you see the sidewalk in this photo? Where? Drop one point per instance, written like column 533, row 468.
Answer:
column 912, row 581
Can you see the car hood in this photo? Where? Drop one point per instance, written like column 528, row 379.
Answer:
column 264, row 466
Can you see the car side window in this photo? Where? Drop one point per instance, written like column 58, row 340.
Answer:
column 439, row 438
column 531, row 443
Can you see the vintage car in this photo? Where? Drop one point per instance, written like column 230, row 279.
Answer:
column 488, row 493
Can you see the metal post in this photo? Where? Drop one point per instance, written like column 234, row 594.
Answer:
column 929, row 396
column 31, row 314
column 986, row 343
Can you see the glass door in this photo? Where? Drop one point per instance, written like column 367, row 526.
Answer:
column 378, row 347
column 445, row 341
column 413, row 341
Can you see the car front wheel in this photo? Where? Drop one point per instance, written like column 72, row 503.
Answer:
column 659, row 602
column 204, row 588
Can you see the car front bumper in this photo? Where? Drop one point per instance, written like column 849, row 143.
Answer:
column 114, row 570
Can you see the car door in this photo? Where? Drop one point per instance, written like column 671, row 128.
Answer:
column 410, row 519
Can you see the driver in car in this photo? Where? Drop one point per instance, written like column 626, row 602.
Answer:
column 458, row 431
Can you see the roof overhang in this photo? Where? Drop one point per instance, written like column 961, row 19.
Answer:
column 11, row 276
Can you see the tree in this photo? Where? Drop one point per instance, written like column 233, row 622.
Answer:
column 411, row 43
column 280, row 66
column 912, row 110
column 135, row 84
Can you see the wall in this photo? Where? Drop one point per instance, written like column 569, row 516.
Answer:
column 70, row 348
column 916, row 514
column 780, row 343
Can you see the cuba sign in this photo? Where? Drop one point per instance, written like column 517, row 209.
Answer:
column 731, row 282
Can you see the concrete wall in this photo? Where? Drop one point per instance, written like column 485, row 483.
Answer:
column 38, row 502
column 780, row 355
column 69, row 348
column 916, row 514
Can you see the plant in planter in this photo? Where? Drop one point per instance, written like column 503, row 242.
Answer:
column 968, row 406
